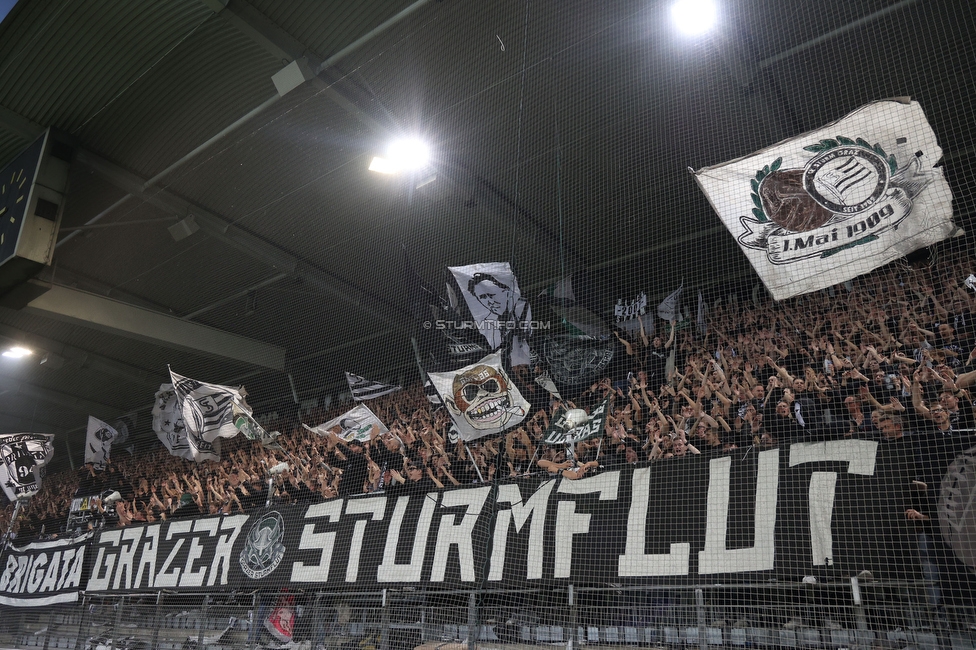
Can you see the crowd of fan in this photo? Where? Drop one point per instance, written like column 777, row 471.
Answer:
column 886, row 355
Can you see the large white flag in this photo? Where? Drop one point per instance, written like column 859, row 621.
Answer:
column 208, row 409
column 492, row 295
column 832, row 204
column 98, row 443
column 23, row 455
column 172, row 432
column 481, row 398
column 359, row 423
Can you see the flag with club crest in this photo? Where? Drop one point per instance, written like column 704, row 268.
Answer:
column 251, row 428
column 363, row 389
column 208, row 409
column 99, row 441
column 23, row 456
column 168, row 424
column 358, row 423
column 831, row 204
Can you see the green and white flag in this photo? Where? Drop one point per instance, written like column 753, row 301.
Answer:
column 829, row 205
column 250, row 427
column 574, row 425
column 358, row 423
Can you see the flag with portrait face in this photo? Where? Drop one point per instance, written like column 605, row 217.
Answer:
column 497, row 308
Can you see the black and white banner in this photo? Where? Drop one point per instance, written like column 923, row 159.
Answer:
column 481, row 398
column 23, row 455
column 754, row 516
column 834, row 203
column 630, row 309
column 168, row 424
column 44, row 573
column 98, row 442
column 573, row 425
column 492, row 295
column 780, row 513
column 632, row 315
column 363, row 389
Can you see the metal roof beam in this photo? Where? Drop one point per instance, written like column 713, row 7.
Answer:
column 71, row 402
column 20, row 125
column 11, row 423
column 80, row 358
column 73, row 306
column 222, row 230
column 263, row 31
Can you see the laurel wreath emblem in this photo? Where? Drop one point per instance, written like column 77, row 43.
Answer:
column 818, row 147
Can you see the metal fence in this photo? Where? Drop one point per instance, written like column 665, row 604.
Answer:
column 850, row 613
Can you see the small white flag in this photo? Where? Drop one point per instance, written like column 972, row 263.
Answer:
column 701, row 314
column 359, row 423
column 98, row 442
column 363, row 389
column 670, row 307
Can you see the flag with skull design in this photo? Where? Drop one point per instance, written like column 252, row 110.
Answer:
column 481, row 398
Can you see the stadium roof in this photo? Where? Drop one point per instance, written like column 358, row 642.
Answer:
column 561, row 134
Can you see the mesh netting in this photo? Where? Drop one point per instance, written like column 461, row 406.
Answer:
column 598, row 399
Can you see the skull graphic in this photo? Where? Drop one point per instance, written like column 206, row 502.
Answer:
column 481, row 396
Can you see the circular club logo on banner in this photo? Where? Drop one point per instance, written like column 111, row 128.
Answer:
column 846, row 180
column 957, row 507
column 263, row 548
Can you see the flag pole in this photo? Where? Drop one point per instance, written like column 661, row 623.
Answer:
column 13, row 519
column 471, row 456
column 416, row 354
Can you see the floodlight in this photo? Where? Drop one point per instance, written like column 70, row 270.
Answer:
column 694, row 17
column 383, row 166
column 17, row 352
column 407, row 154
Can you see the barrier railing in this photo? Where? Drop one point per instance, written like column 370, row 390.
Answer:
column 840, row 614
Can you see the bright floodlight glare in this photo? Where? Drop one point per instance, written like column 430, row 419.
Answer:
column 383, row 166
column 694, row 17
column 17, row 352
column 409, row 153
